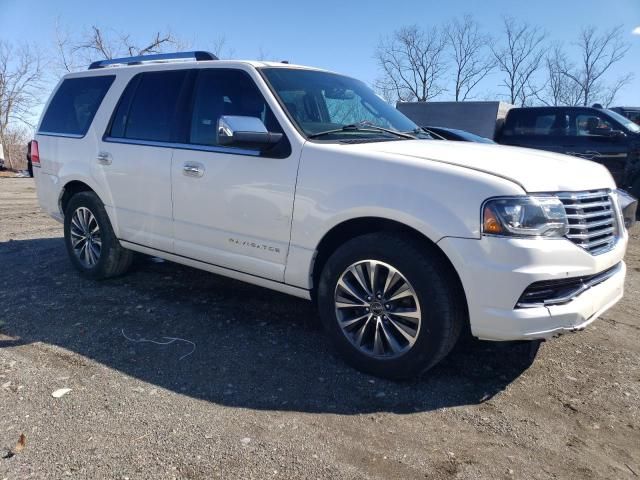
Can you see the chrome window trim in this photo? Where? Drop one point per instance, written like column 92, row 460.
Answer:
column 184, row 146
column 65, row 135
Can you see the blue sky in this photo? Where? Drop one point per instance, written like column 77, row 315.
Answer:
column 338, row 35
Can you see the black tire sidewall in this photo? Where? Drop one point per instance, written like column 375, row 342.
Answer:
column 91, row 201
column 430, row 283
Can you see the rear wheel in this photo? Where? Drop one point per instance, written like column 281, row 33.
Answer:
column 91, row 243
column 392, row 305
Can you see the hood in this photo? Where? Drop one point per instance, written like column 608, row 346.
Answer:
column 534, row 170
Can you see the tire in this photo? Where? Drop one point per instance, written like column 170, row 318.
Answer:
column 103, row 256
column 423, row 285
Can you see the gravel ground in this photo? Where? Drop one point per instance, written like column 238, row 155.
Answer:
column 250, row 388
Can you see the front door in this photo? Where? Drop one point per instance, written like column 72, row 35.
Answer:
column 594, row 141
column 232, row 207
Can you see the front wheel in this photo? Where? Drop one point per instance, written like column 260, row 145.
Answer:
column 91, row 243
column 392, row 306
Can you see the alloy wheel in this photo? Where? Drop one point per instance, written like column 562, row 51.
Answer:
column 377, row 309
column 85, row 237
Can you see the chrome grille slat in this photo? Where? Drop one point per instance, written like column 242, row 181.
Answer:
column 592, row 219
column 598, row 223
column 585, row 195
column 587, row 216
column 586, row 236
column 586, row 206
column 595, row 243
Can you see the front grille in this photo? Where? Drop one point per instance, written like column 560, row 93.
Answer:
column 592, row 220
column 558, row 292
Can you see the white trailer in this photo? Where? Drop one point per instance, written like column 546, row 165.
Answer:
column 481, row 118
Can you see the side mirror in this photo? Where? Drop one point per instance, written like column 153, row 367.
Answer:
column 617, row 134
column 249, row 132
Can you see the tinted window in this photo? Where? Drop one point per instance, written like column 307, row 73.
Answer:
column 119, row 122
column 74, row 105
column 537, row 122
column 588, row 125
column 225, row 92
column 148, row 107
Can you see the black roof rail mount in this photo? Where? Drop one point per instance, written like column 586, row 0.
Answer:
column 197, row 55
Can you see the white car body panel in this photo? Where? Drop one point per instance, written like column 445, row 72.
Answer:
column 238, row 213
column 338, row 182
column 261, row 219
column 495, row 271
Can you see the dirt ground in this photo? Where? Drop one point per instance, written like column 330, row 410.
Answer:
column 250, row 388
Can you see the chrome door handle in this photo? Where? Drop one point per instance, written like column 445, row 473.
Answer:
column 193, row 169
column 104, row 158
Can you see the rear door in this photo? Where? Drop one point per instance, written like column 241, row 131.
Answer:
column 541, row 128
column 134, row 158
column 232, row 207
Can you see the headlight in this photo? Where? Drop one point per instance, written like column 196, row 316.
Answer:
column 525, row 217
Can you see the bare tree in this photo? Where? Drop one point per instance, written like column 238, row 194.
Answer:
column 520, row 58
column 21, row 76
column 598, row 54
column 99, row 44
column 15, row 145
column 558, row 89
column 471, row 64
column 413, row 63
column 220, row 47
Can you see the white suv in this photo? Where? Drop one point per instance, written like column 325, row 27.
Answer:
column 306, row 182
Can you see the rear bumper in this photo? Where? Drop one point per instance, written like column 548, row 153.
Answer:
column 495, row 272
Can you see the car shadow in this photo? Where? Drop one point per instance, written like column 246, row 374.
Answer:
column 220, row 340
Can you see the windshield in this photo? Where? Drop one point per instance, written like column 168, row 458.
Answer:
column 322, row 104
column 628, row 124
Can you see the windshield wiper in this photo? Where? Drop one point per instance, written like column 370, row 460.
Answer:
column 421, row 131
column 362, row 127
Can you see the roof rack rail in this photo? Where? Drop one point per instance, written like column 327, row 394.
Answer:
column 197, row 55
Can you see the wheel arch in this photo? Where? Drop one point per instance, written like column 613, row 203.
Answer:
column 355, row 227
column 70, row 189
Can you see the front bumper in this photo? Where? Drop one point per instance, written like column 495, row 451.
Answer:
column 496, row 271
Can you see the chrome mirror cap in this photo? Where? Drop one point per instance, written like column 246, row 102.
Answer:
column 228, row 125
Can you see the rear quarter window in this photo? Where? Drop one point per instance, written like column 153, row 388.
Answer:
column 74, row 105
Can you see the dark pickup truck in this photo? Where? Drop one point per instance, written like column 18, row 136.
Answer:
column 597, row 134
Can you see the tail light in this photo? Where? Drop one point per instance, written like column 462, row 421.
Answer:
column 35, row 154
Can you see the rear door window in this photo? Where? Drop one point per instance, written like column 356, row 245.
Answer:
column 537, row 123
column 148, row 108
column 74, row 105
